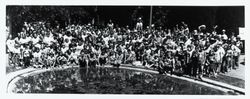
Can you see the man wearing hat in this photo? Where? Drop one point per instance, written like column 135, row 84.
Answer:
column 139, row 24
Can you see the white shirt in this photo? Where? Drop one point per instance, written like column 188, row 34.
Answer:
column 106, row 39
column 37, row 54
column 83, row 37
column 23, row 40
column 35, row 40
column 10, row 45
column 48, row 40
column 224, row 36
column 67, row 37
column 64, row 49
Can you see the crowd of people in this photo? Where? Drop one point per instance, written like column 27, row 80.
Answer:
column 173, row 50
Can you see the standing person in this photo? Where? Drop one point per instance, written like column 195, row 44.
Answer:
column 35, row 40
column 202, row 61
column 169, row 63
column 51, row 60
column 83, row 62
column 181, row 55
column 188, row 68
column 139, row 24
column 119, row 57
column 212, row 63
column 92, row 62
column 73, row 57
column 131, row 57
column 194, row 62
column 11, row 50
column 219, row 56
column 110, row 25
column 102, row 58
column 26, row 56
column 36, row 57
column 236, row 55
column 239, row 44
column 229, row 56
column 61, row 59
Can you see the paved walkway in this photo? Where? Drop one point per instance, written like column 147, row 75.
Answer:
column 235, row 77
column 239, row 72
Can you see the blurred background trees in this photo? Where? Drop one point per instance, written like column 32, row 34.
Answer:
column 227, row 17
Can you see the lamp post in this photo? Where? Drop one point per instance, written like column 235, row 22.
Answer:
column 150, row 18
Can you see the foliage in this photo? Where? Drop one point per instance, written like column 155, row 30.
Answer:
column 56, row 15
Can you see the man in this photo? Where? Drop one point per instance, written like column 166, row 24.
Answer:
column 119, row 58
column 139, row 24
column 11, row 50
column 202, row 60
column 35, row 39
column 212, row 63
column 229, row 58
column 194, row 65
column 131, row 57
column 48, row 39
column 188, row 55
column 169, row 62
column 61, row 59
column 26, row 56
column 36, row 57
column 236, row 55
column 73, row 57
column 102, row 58
column 224, row 36
column 219, row 53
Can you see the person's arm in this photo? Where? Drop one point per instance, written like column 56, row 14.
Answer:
column 70, row 56
column 55, row 57
column 173, row 65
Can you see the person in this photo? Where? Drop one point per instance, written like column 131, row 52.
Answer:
column 212, row 63
column 239, row 44
column 36, row 57
column 89, row 46
column 202, row 61
column 131, row 57
column 11, row 50
column 102, row 58
column 236, row 55
column 229, row 57
column 92, row 63
column 188, row 55
column 118, row 61
column 169, row 63
column 61, row 59
column 26, row 56
column 110, row 25
column 51, row 60
column 72, row 57
column 139, row 24
column 194, row 64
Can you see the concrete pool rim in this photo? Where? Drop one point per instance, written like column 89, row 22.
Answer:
column 13, row 77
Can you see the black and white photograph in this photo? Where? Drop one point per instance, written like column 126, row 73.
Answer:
column 125, row 49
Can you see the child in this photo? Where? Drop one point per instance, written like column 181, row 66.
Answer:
column 36, row 57
column 73, row 57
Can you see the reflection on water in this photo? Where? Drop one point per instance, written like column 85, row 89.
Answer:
column 107, row 81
